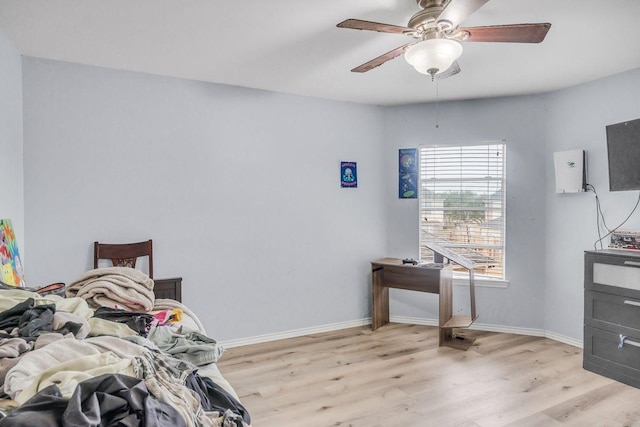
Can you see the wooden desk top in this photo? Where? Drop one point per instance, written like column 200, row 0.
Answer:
column 397, row 262
column 421, row 277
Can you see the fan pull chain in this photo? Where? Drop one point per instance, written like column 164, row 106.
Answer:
column 437, row 105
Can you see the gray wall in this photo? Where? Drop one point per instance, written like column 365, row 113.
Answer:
column 577, row 120
column 547, row 233
column 11, row 202
column 519, row 121
column 238, row 188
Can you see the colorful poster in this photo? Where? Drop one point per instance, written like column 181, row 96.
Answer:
column 348, row 175
column 10, row 257
column 408, row 173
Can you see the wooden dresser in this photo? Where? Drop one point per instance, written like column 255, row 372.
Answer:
column 168, row 288
column 612, row 314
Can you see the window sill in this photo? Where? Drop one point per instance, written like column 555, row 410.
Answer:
column 463, row 280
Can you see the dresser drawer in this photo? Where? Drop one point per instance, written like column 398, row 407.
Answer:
column 612, row 312
column 603, row 354
column 613, row 274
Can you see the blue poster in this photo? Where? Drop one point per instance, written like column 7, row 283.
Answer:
column 348, row 175
column 408, row 173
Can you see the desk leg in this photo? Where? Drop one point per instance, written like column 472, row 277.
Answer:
column 380, row 299
column 445, row 309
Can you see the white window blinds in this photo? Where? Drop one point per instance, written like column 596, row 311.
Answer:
column 462, row 203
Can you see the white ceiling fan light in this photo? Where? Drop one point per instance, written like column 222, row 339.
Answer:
column 433, row 56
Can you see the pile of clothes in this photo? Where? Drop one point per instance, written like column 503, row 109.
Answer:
column 109, row 354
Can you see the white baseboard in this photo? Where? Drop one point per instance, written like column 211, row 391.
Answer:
column 296, row 333
column 495, row 328
column 396, row 319
column 565, row 339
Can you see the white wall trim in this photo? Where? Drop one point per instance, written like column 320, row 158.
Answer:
column 397, row 319
column 565, row 339
column 495, row 328
column 296, row 333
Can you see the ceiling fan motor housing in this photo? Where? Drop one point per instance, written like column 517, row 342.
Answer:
column 424, row 4
column 425, row 20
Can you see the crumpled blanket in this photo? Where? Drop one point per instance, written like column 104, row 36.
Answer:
column 27, row 320
column 114, row 287
column 139, row 322
column 188, row 345
column 67, row 361
column 110, row 399
column 114, row 400
column 189, row 318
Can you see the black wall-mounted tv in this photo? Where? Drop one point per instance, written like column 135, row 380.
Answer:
column 623, row 150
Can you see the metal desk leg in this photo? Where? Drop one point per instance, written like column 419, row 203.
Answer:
column 447, row 320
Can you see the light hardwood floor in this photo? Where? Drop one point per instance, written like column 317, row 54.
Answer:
column 398, row 376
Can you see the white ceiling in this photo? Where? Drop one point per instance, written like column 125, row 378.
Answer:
column 293, row 46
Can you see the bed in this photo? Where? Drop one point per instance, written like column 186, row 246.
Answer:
column 113, row 351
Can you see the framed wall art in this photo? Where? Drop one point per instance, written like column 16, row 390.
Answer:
column 408, row 173
column 348, row 175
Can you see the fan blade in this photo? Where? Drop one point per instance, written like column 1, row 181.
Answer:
column 457, row 11
column 381, row 59
column 359, row 24
column 517, row 33
column 451, row 71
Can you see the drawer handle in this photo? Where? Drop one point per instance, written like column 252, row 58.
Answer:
column 634, row 303
column 624, row 340
column 634, row 263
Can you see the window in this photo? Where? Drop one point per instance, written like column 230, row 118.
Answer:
column 462, row 203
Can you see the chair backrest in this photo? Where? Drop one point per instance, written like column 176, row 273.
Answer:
column 123, row 254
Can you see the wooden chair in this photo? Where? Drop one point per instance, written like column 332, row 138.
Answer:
column 123, row 255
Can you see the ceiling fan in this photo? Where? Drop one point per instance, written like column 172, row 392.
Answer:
column 438, row 36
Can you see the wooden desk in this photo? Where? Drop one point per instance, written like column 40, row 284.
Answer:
column 434, row 278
